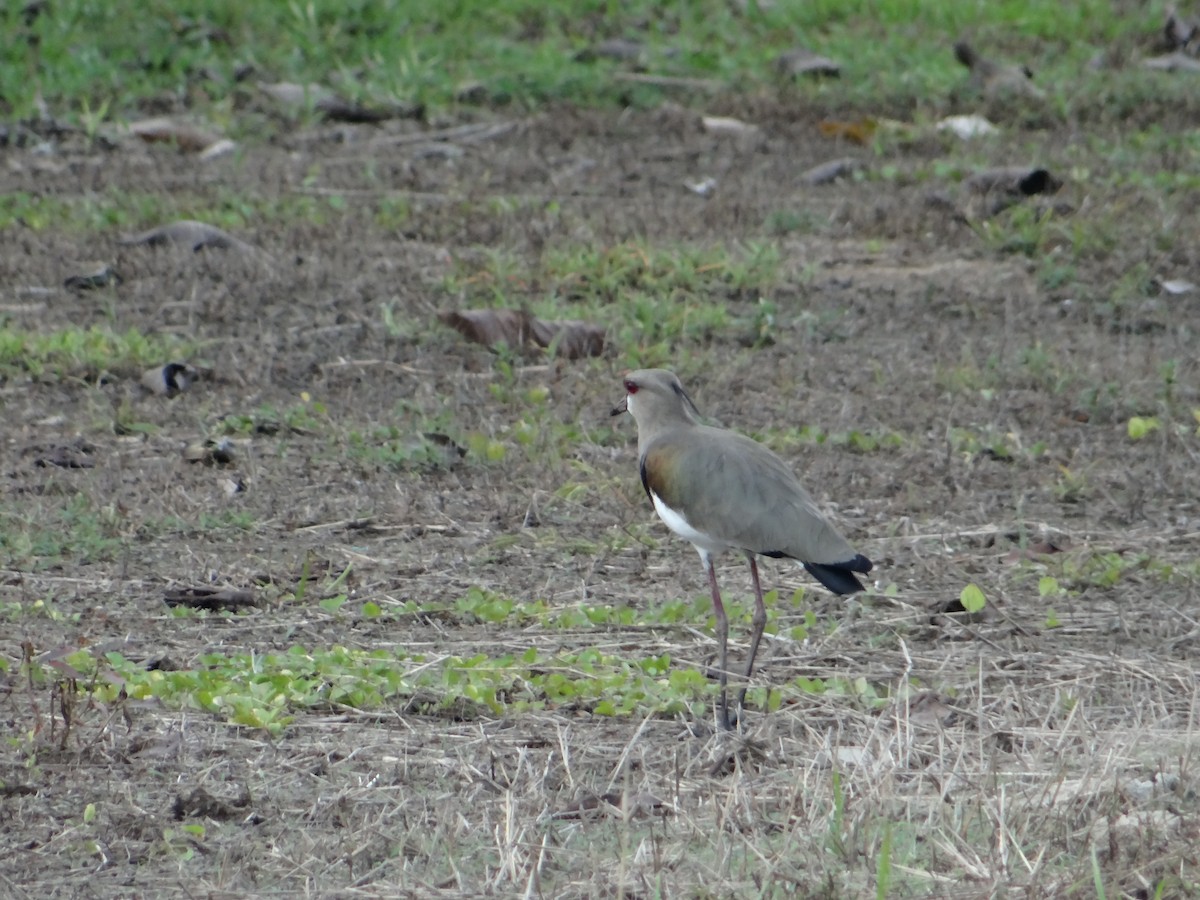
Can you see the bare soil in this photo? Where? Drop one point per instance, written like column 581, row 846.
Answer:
column 894, row 315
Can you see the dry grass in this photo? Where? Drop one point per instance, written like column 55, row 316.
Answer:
column 1026, row 751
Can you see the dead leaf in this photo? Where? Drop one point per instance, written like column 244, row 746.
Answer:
column 188, row 233
column 187, row 136
column 491, row 327
column 472, row 93
column 1172, row 62
column 220, row 148
column 571, row 339
column 612, row 804
column 967, row 127
column 727, row 126
column 77, row 455
column 859, row 131
column 995, row 79
column 101, row 276
column 443, row 450
column 703, row 187
column 802, row 61
column 200, row 804
column 1034, row 552
column 210, row 452
column 233, row 486
column 212, row 599
column 831, row 171
column 618, row 49
column 1177, row 286
column 930, row 708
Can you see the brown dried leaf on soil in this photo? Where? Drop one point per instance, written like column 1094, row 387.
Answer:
column 210, row 452
column 212, row 599
column 187, row 136
column 187, row 233
column 858, row 131
column 727, row 126
column 78, row 455
column 571, row 339
column 1034, row 552
column 199, row 803
column 612, row 804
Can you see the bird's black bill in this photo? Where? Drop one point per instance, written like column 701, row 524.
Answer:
column 621, row 407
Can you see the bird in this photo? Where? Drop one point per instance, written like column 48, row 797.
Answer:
column 721, row 490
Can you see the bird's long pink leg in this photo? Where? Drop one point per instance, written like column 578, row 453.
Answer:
column 722, row 637
column 759, row 622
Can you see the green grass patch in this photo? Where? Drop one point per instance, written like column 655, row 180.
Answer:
column 651, row 297
column 481, row 606
column 783, row 440
column 79, row 531
column 267, row 691
column 133, row 211
column 100, row 59
column 83, row 352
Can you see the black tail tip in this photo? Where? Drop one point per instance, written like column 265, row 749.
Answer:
column 839, row 577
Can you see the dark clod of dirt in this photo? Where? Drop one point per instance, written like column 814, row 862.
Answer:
column 952, row 611
column 77, row 455
column 995, row 190
column 210, row 452
column 211, row 599
column 1016, row 180
column 199, row 803
column 829, row 172
column 100, row 277
column 333, row 108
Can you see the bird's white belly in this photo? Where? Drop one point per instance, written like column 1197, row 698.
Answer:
column 705, row 543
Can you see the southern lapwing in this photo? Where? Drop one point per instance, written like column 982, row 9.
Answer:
column 723, row 491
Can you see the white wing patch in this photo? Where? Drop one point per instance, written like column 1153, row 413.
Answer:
column 705, row 544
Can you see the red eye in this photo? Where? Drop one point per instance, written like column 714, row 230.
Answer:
column 631, row 387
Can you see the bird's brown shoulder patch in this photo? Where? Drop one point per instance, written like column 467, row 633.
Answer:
column 658, row 473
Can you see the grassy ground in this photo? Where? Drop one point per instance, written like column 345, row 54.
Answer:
column 451, row 652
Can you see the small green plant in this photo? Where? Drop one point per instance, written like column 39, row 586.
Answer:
column 83, row 352
column 972, row 598
column 1071, row 486
column 1140, row 426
